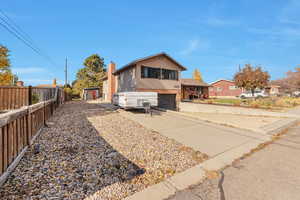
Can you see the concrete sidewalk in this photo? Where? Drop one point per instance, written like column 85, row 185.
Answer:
column 205, row 137
column 272, row 173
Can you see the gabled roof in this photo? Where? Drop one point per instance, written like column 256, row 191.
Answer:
column 221, row 80
column 193, row 82
column 273, row 86
column 131, row 64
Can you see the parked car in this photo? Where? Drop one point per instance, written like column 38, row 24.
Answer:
column 296, row 94
column 257, row 94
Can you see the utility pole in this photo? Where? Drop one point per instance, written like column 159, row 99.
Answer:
column 66, row 73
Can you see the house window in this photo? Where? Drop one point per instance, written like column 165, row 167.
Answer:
column 169, row 74
column 150, row 72
column 232, row 87
column 219, row 89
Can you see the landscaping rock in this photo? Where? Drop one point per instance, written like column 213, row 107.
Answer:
column 90, row 152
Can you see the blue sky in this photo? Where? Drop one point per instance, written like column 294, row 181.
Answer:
column 214, row 36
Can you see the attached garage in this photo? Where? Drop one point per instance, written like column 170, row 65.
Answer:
column 167, row 101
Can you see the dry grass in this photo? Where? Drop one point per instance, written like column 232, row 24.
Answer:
column 211, row 174
column 265, row 103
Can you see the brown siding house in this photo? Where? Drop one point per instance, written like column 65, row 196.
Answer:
column 157, row 73
column 193, row 89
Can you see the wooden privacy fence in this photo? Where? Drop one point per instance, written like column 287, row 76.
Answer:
column 19, row 128
column 13, row 97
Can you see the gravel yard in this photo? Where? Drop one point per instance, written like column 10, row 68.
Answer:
column 89, row 151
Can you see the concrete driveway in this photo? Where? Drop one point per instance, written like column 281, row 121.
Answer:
column 205, row 137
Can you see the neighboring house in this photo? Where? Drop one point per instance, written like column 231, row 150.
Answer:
column 53, row 85
column 105, row 89
column 273, row 90
column 224, row 89
column 158, row 73
column 91, row 93
column 193, row 89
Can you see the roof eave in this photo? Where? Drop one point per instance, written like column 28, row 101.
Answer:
column 133, row 63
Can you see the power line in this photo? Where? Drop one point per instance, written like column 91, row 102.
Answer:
column 21, row 32
column 16, row 31
column 28, row 43
column 18, row 28
column 19, row 37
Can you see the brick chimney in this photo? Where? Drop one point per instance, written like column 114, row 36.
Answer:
column 54, row 82
column 20, row 83
column 111, row 80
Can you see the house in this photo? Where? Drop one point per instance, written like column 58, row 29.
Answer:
column 193, row 89
column 53, row 85
column 224, row 89
column 273, row 90
column 157, row 73
column 20, row 83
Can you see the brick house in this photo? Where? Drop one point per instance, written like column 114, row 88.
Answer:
column 157, row 73
column 224, row 88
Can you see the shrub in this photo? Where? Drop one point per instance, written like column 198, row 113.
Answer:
column 287, row 102
column 254, row 104
column 237, row 103
column 210, row 101
column 35, row 98
column 69, row 93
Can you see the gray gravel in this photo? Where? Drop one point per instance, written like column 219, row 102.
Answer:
column 92, row 152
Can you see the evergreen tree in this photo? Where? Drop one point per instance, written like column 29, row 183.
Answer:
column 91, row 74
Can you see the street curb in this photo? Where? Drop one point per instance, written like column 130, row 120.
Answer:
column 283, row 128
column 194, row 175
column 170, row 186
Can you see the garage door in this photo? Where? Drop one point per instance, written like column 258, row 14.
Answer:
column 167, row 101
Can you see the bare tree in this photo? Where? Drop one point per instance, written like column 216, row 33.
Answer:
column 291, row 82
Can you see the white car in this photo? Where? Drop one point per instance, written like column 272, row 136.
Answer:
column 257, row 94
column 296, row 94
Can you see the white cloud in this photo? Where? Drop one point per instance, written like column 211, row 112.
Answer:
column 27, row 70
column 291, row 31
column 214, row 21
column 192, row 46
column 282, row 31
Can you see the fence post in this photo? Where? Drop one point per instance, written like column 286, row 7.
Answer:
column 29, row 128
column 44, row 113
column 30, row 95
